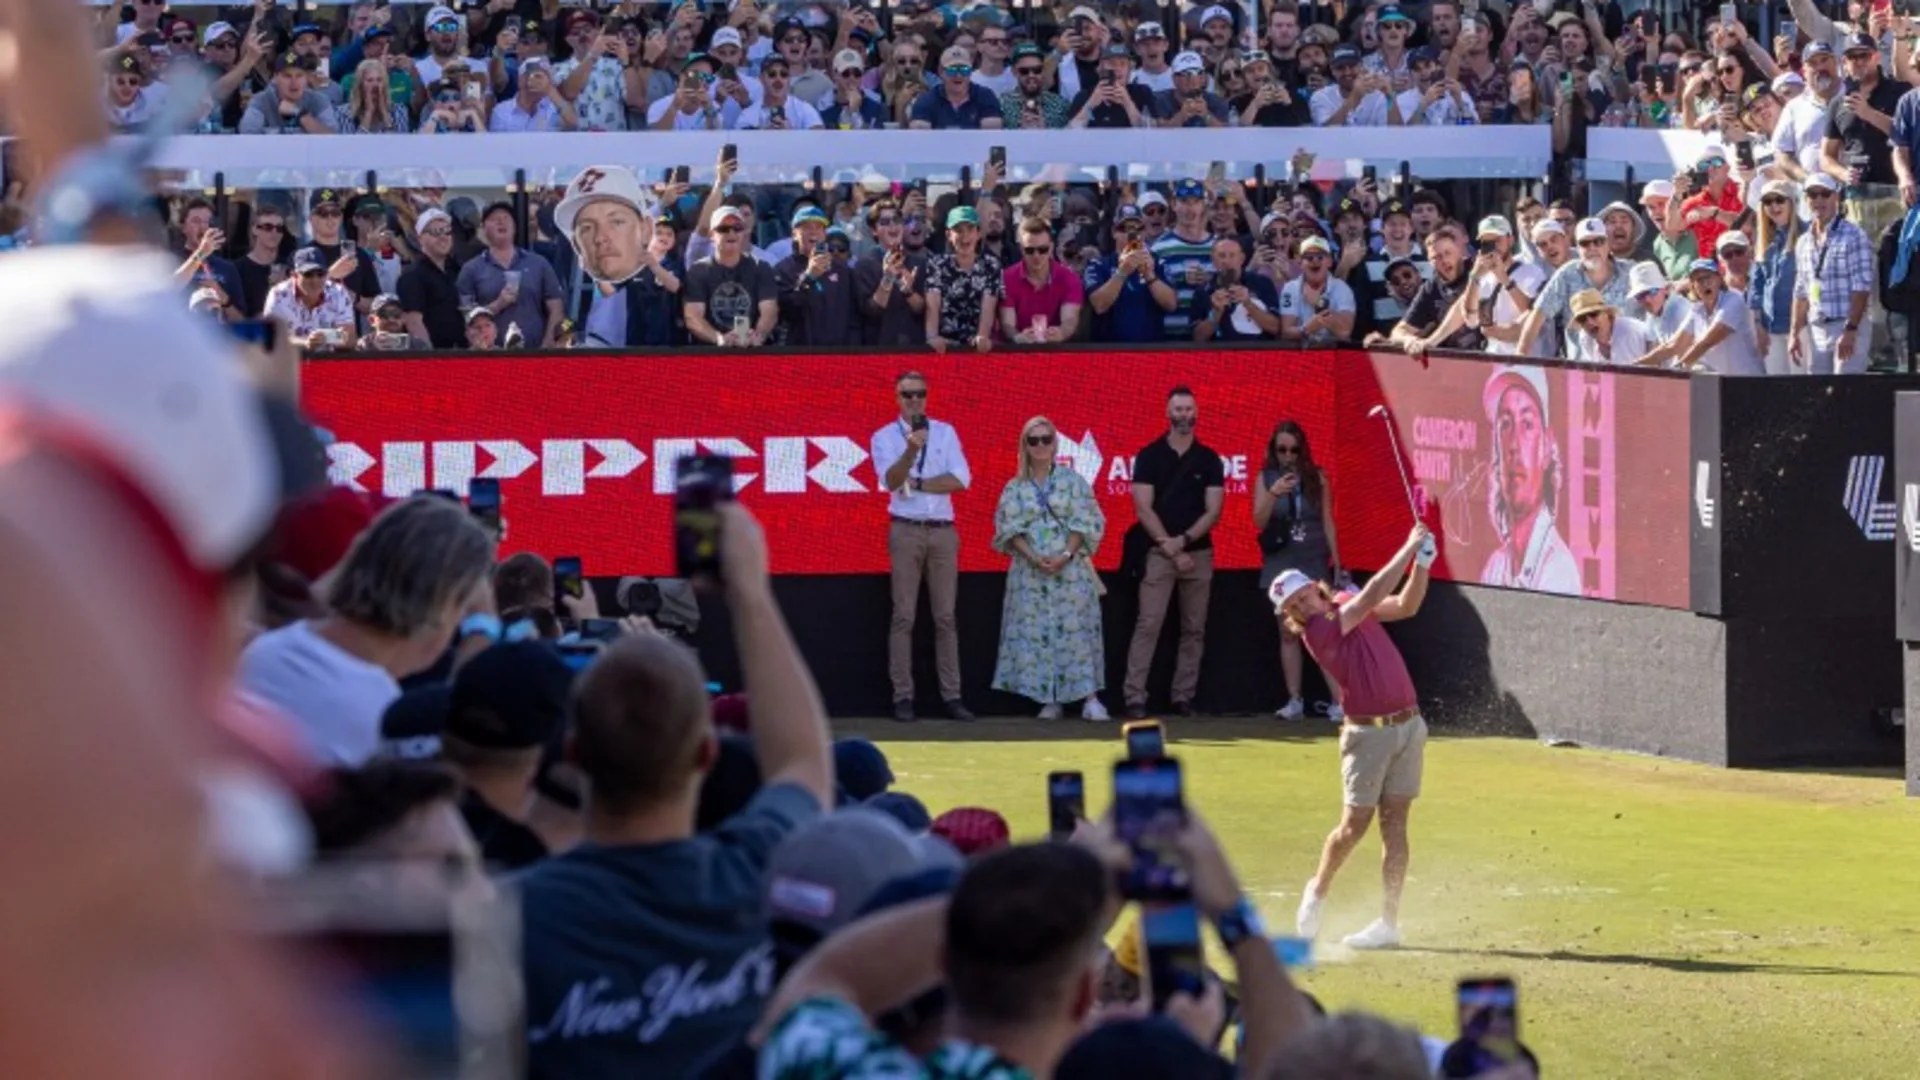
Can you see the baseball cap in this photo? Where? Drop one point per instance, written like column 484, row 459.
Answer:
column 1494, row 225
column 325, row 196
column 1116, row 51
column 1787, row 80
column 1821, row 181
column 511, row 696
column 1272, row 218
column 1589, row 229
column 726, row 35
column 412, row 724
column 1547, row 226
column 1858, row 42
column 956, row 57
column 155, row 386
column 1147, row 31
column 1188, row 62
column 1286, row 587
column 1732, row 238
column 1189, row 188
column 1215, row 12
column 972, row 830
column 428, row 218
column 1255, row 56
column 1532, row 378
column 289, row 61
column 308, row 259
column 1781, row 188
column 1316, row 243
column 377, row 30
column 821, row 875
column 385, row 300
column 615, row 183
column 724, row 213
column 1026, row 49
column 1151, row 198
column 1347, row 206
column 217, row 30
column 1392, row 13
column 477, row 312
column 1702, row 266
column 1656, row 189
column 1818, row 48
column 129, row 63
column 1345, row 54
column 861, row 768
column 1148, row 1048
column 441, row 13
column 1128, row 212
column 312, row 533
column 304, row 29
column 1392, row 207
column 903, row 808
column 1425, row 54
column 580, row 16
column 1645, row 278
column 1083, row 12
column 962, row 215
column 369, row 206
column 1401, row 260
column 810, row 214
column 536, row 63
column 849, row 60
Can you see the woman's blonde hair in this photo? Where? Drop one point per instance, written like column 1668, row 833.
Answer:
column 1023, row 471
column 366, row 77
column 1763, row 234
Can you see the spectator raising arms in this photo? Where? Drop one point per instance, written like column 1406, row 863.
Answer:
column 1050, row 640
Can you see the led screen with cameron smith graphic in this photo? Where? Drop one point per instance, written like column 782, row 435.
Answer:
column 584, row 444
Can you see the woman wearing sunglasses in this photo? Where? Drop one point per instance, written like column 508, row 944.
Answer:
column 1293, row 513
column 1050, row 523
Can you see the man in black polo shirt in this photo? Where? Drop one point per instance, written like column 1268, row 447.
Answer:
column 429, row 289
column 507, row 703
column 1426, row 316
column 1178, row 487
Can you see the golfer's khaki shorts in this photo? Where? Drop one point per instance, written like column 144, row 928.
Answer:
column 1382, row 761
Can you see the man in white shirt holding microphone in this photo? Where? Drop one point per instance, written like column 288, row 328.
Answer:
column 921, row 465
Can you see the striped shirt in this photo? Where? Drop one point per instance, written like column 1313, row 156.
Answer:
column 1843, row 265
column 1172, row 256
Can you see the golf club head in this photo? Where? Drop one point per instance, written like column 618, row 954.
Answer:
column 1378, row 412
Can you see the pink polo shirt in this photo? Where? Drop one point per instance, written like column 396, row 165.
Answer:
column 1028, row 300
column 1373, row 679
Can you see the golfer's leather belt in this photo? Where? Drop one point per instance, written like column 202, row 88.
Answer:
column 920, row 523
column 1390, row 720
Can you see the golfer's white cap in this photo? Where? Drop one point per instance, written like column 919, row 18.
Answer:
column 157, row 387
column 595, row 183
column 1506, row 375
column 1286, row 587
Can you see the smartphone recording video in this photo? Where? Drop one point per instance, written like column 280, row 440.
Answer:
column 1149, row 813
column 483, row 502
column 1145, row 740
column 1175, row 964
column 1489, row 1010
column 569, row 577
column 701, row 483
column 1066, row 803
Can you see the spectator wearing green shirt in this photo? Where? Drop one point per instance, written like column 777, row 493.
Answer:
column 1030, row 104
column 1674, row 246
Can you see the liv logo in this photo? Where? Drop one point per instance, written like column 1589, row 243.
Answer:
column 1703, row 502
column 1862, row 499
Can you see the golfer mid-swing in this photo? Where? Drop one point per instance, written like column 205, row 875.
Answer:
column 1384, row 738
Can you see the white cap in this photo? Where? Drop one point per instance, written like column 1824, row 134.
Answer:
column 1151, row 198
column 157, row 387
column 1533, row 378
column 1645, row 278
column 1286, row 587
column 1656, row 189
column 726, row 35
column 441, row 13
column 1787, row 80
column 1548, row 226
column 215, row 31
column 1083, row 12
column 849, row 58
column 427, row 217
column 1188, row 61
column 1821, row 181
column 1215, row 12
column 597, row 182
column 1275, row 217
column 1732, row 238
column 1589, row 229
column 204, row 301
column 1494, row 225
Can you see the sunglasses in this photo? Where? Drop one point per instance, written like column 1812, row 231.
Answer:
column 1025, row 70
column 887, row 219
column 1591, row 316
column 851, row 73
column 727, row 230
column 1314, row 256
column 913, row 395
column 1774, row 200
column 1818, row 193
column 446, row 99
column 181, row 39
column 269, row 227
column 1038, row 250
column 327, row 211
column 1286, row 449
column 1593, row 241
column 1729, row 71
column 957, row 71
column 439, row 232
column 1039, row 440
column 312, row 273
column 445, row 27
column 1156, row 208
column 840, row 249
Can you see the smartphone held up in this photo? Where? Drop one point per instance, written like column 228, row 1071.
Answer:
column 702, row 482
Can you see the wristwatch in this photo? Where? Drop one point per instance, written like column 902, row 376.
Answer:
column 482, row 624
column 1239, row 924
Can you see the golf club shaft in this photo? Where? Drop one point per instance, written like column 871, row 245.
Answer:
column 1406, row 482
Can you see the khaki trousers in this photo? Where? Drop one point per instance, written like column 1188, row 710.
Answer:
column 1162, row 580
column 930, row 552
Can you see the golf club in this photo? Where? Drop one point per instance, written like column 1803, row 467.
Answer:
column 1379, row 412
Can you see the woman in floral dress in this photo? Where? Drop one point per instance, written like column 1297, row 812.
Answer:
column 1050, row 641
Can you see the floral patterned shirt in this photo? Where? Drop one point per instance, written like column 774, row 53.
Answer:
column 602, row 105
column 963, row 293
column 828, row 1039
column 335, row 310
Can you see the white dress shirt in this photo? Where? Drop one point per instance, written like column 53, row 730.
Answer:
column 942, row 457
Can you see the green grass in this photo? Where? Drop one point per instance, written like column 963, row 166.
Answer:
column 1662, row 919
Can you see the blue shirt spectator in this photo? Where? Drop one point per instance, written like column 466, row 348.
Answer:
column 958, row 102
column 1134, row 316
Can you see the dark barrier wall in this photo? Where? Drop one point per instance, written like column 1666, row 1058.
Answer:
column 1793, row 525
column 1548, row 477
column 1906, row 541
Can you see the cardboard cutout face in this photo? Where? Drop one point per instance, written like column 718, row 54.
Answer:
column 608, row 217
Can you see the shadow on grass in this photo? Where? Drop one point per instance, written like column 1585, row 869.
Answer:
column 1670, row 963
column 1198, row 731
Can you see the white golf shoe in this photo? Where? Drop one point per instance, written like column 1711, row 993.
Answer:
column 1379, row 934
column 1306, row 921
